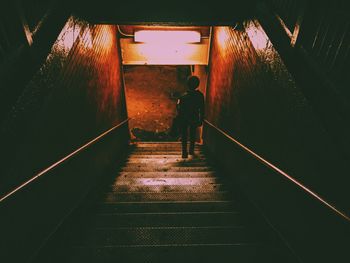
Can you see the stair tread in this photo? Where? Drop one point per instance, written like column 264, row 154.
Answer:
column 162, row 153
column 104, row 236
column 139, row 168
column 167, row 188
column 157, row 174
column 223, row 253
column 168, row 219
column 168, row 161
column 156, row 166
column 166, row 180
column 167, row 206
column 170, row 196
column 162, row 156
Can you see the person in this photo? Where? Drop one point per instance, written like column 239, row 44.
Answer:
column 190, row 108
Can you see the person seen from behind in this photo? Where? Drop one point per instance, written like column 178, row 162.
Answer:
column 190, row 108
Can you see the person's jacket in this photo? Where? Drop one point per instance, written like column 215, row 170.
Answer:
column 190, row 107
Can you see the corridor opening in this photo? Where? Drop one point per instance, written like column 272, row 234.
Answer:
column 155, row 69
column 151, row 95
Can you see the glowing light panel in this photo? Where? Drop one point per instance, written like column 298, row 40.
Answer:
column 164, row 54
column 163, row 36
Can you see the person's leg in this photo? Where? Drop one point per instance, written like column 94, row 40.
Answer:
column 193, row 130
column 184, row 140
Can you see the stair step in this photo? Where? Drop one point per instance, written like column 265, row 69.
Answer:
column 153, row 144
column 166, row 164
column 145, row 168
column 166, row 235
column 166, row 153
column 188, row 174
column 164, row 148
column 184, row 253
column 161, row 156
column 167, row 188
column 180, row 196
column 161, row 161
column 166, row 181
column 167, row 206
column 179, row 145
column 169, row 219
column 173, row 149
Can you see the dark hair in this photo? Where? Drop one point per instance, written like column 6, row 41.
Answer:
column 193, row 82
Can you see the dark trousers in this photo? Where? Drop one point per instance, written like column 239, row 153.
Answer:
column 185, row 128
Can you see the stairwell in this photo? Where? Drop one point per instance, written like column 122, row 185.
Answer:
column 162, row 208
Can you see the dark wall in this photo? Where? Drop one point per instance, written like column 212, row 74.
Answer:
column 27, row 31
column 252, row 96
column 75, row 95
column 319, row 58
column 323, row 31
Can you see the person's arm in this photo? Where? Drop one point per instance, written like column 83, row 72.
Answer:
column 178, row 106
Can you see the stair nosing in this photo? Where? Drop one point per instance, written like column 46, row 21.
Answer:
column 169, row 213
column 157, row 193
column 172, row 202
column 176, row 245
column 169, row 227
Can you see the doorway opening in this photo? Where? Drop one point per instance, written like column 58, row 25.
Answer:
column 155, row 71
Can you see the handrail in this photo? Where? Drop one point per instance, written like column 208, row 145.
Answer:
column 62, row 160
column 278, row 170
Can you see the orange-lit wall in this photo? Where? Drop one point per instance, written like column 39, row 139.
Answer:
column 152, row 93
column 76, row 95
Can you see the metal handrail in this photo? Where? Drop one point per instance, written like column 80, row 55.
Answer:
column 62, row 160
column 279, row 171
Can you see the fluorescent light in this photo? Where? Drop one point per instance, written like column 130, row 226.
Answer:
column 167, row 36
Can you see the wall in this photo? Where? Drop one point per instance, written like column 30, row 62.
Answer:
column 323, row 30
column 252, row 96
column 152, row 93
column 318, row 60
column 76, row 94
column 28, row 30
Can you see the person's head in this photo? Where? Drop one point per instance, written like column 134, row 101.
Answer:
column 192, row 82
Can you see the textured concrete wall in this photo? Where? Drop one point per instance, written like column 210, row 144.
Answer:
column 152, row 93
column 76, row 95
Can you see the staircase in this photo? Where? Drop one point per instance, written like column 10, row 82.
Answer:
column 162, row 208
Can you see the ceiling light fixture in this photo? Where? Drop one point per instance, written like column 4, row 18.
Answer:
column 167, row 36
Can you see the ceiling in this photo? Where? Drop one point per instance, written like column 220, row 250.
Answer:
column 180, row 12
